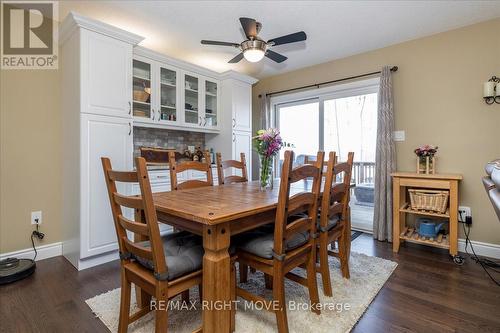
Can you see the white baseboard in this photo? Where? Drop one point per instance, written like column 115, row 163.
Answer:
column 44, row 252
column 481, row 248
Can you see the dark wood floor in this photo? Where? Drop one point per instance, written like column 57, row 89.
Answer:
column 426, row 293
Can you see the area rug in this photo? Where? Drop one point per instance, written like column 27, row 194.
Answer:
column 340, row 313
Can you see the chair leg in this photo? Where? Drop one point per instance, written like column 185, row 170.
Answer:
column 124, row 304
column 268, row 279
column 279, row 298
column 161, row 313
column 233, row 298
column 252, row 270
column 185, row 296
column 243, row 272
column 344, row 256
column 323, row 266
column 200, row 292
column 312, row 283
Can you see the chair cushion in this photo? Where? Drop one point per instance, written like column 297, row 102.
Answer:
column 261, row 242
column 331, row 223
column 183, row 254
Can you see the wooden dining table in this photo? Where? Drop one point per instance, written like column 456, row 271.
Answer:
column 217, row 213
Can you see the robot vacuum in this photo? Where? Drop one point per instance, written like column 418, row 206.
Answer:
column 13, row 269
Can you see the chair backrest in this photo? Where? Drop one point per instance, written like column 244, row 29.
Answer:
column 308, row 160
column 285, row 228
column 145, row 222
column 176, row 168
column 335, row 199
column 241, row 164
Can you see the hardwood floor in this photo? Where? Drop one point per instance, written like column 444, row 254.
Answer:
column 426, row 293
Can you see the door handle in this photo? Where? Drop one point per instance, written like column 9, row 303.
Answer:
column 129, row 128
column 159, row 115
column 129, row 107
column 199, row 121
column 234, row 137
column 234, row 123
column 205, row 121
column 153, row 112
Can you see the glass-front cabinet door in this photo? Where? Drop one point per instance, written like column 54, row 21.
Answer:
column 168, row 95
column 142, row 78
column 211, row 104
column 191, row 100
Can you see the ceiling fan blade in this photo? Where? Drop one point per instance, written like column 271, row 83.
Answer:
column 291, row 38
column 214, row 42
column 236, row 59
column 249, row 26
column 275, row 56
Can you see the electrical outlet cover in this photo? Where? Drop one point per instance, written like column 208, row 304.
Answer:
column 37, row 215
column 463, row 212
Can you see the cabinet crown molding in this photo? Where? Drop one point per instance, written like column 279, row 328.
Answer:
column 237, row 76
column 74, row 20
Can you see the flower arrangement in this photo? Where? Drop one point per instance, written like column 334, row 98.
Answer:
column 426, row 150
column 425, row 159
column 267, row 143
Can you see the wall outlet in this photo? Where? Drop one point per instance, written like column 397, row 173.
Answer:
column 36, row 217
column 463, row 212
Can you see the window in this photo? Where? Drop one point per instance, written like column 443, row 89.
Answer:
column 341, row 119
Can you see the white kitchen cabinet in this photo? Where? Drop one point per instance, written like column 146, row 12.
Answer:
column 101, row 136
column 106, row 75
column 236, row 119
column 242, row 107
column 96, row 75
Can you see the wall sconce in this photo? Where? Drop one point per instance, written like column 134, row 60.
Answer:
column 491, row 91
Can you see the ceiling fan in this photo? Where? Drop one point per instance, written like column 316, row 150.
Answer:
column 254, row 48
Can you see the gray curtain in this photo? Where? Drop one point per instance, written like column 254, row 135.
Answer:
column 385, row 159
column 265, row 111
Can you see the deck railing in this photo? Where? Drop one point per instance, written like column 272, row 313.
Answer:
column 363, row 172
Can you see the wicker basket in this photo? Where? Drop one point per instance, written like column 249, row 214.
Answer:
column 141, row 96
column 429, row 200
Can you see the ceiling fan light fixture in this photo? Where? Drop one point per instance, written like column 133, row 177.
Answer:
column 254, row 50
column 253, row 55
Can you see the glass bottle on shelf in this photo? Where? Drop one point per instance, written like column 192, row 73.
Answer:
column 141, row 89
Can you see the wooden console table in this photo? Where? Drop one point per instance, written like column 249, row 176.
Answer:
column 403, row 180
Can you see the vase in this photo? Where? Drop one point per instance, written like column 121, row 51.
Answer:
column 426, row 164
column 266, row 173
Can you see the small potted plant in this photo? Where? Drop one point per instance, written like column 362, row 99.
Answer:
column 426, row 162
column 267, row 143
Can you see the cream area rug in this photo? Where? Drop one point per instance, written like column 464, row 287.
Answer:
column 340, row 313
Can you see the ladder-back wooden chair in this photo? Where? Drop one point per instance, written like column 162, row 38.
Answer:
column 334, row 224
column 145, row 263
column 222, row 165
column 176, row 168
column 291, row 244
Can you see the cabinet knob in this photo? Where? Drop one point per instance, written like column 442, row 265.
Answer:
column 234, row 123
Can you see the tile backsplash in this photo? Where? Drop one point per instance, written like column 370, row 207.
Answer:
column 162, row 138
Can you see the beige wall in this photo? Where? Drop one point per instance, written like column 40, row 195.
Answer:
column 438, row 100
column 30, row 156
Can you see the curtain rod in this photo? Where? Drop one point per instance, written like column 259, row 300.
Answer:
column 317, row 85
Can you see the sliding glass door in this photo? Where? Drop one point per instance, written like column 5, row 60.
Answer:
column 342, row 122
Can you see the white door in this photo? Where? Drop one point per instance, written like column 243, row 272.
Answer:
column 106, row 75
column 101, row 137
column 242, row 103
column 242, row 143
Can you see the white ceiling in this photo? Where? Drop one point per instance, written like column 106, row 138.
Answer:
column 335, row 29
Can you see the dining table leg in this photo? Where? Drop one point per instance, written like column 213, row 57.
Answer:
column 217, row 301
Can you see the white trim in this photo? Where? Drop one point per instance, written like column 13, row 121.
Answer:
column 44, row 252
column 74, row 20
column 481, row 248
